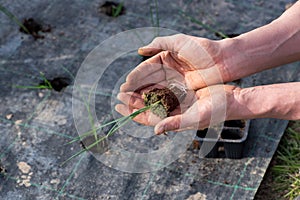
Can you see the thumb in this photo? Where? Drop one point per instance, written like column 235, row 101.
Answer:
column 190, row 119
column 167, row 43
column 168, row 124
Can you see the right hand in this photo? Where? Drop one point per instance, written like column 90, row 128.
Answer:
column 199, row 60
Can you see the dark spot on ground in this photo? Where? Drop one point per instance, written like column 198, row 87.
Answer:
column 112, row 9
column 34, row 28
column 2, row 169
column 58, row 83
column 229, row 35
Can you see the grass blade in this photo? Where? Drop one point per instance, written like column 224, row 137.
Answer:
column 118, row 124
column 13, row 18
column 205, row 26
column 117, row 11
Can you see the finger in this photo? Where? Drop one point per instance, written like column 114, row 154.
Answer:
column 142, row 88
column 126, row 111
column 145, row 118
column 147, row 73
column 176, row 123
column 131, row 99
column 159, row 69
column 123, row 110
column 196, row 117
column 168, row 43
column 204, row 77
column 149, row 51
column 214, row 91
column 185, row 104
column 203, row 93
column 168, row 124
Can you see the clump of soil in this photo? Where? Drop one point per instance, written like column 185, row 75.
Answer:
column 34, row 28
column 112, row 9
column 57, row 83
column 235, row 123
column 231, row 135
column 168, row 100
column 196, row 145
column 202, row 133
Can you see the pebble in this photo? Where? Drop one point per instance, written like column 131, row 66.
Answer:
column 24, row 177
column 9, row 116
column 41, row 95
column 55, row 181
column 26, row 183
column 26, row 174
column 197, row 196
column 17, row 122
column 62, row 121
column 24, row 167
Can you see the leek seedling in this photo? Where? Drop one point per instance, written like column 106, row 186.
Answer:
column 118, row 123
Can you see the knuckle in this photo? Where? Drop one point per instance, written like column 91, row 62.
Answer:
column 179, row 36
column 157, row 40
column 173, row 123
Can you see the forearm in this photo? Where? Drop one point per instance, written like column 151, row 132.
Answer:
column 271, row 101
column 269, row 46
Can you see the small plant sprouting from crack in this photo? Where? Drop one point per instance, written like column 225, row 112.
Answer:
column 112, row 9
column 116, row 11
column 46, row 85
column 56, row 84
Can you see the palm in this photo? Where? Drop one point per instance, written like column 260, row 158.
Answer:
column 163, row 68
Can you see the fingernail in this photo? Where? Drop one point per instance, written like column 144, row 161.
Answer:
column 159, row 130
column 141, row 50
column 118, row 96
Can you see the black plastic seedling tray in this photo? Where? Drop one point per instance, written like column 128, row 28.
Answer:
column 231, row 140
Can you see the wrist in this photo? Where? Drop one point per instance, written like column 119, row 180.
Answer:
column 252, row 104
column 227, row 59
column 263, row 48
column 271, row 101
column 237, row 103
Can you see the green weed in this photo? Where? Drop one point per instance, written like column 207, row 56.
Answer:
column 287, row 170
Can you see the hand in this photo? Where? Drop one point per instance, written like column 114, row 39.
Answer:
column 198, row 60
column 195, row 111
